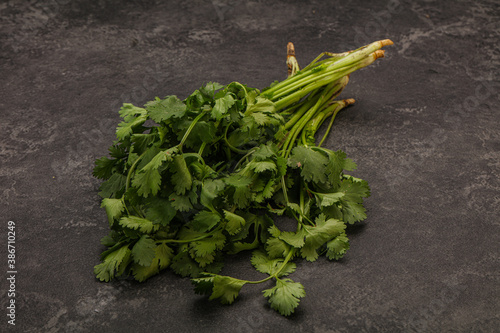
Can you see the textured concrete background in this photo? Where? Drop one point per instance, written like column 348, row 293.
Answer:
column 425, row 132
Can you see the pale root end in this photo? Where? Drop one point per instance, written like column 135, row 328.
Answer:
column 378, row 54
column 349, row 101
column 386, row 42
column 290, row 49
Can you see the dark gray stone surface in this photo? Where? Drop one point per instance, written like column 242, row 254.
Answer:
column 424, row 132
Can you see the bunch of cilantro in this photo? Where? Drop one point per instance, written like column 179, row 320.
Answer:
column 188, row 182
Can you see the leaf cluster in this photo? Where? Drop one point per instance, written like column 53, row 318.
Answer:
column 188, row 182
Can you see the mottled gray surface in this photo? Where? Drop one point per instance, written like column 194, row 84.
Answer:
column 425, row 132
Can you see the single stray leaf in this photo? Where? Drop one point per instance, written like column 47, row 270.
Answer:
column 285, row 296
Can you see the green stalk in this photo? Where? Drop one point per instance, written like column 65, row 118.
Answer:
column 330, row 65
column 288, row 257
column 190, row 128
column 287, row 148
column 230, row 146
column 331, row 57
column 301, row 83
column 362, row 52
column 131, row 170
column 308, row 103
column 297, row 95
column 300, row 122
column 289, row 81
column 196, row 155
column 333, row 112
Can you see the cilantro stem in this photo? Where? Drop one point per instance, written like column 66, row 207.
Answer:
column 275, row 275
column 190, row 128
column 202, row 148
column 132, row 168
column 187, row 240
column 301, row 83
column 287, row 148
column 283, row 187
column 333, row 113
column 301, row 202
column 242, row 86
column 230, row 146
column 288, row 257
column 300, row 112
column 331, row 57
column 197, row 155
column 250, row 152
column 138, row 212
column 317, row 81
column 124, row 204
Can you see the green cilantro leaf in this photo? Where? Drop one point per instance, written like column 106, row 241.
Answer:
column 162, row 259
column 181, row 177
column 160, row 211
column 242, row 192
column 266, row 265
column 352, row 201
column 202, row 132
column 337, row 247
column 261, row 104
column 205, row 220
column 108, row 240
column 182, row 203
column 262, row 166
column 264, row 152
column 160, row 110
column 148, row 179
column 285, row 296
column 208, row 245
column 328, row 199
column 210, row 88
column 125, row 129
column 222, row 106
column 210, row 190
column 352, row 211
column 184, row 265
column 276, row 248
column 147, row 182
column 142, row 141
column 295, row 239
column 164, row 254
column 226, row 288
column 312, row 163
column 281, row 163
column 203, row 285
column 143, row 251
column 114, row 209
column 317, row 235
column 105, row 271
column 234, row 222
column 138, row 223
column 103, row 168
column 129, row 112
column 113, row 187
